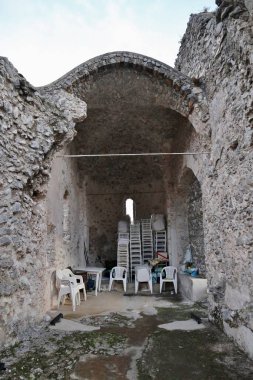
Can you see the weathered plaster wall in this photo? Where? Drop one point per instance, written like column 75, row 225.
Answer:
column 66, row 215
column 66, row 218
column 33, row 127
column 217, row 49
column 104, row 212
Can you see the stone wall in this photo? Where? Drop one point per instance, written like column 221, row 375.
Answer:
column 106, row 207
column 195, row 225
column 217, row 51
column 33, row 127
column 181, row 174
column 66, row 214
column 177, row 225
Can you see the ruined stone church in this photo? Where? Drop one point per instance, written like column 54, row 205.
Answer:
column 53, row 205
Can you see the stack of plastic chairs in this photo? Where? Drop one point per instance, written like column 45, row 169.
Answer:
column 135, row 247
column 123, row 250
column 147, row 240
column 160, row 241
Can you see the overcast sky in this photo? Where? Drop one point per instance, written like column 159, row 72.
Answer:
column 44, row 39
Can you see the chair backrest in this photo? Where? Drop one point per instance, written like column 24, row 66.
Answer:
column 170, row 272
column 118, row 272
column 67, row 273
column 143, row 274
column 62, row 276
column 59, row 276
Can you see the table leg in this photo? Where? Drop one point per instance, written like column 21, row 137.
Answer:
column 97, row 284
column 100, row 280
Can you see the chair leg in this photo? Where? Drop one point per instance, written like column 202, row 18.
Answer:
column 175, row 286
column 78, row 298
column 161, row 284
column 136, row 286
column 110, row 284
column 124, row 284
column 84, row 294
column 74, row 301
column 74, row 298
column 151, row 286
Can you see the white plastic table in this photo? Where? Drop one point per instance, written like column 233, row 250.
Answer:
column 93, row 270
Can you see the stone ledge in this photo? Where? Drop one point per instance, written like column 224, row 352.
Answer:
column 192, row 288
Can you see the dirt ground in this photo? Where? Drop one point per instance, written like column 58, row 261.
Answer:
column 134, row 337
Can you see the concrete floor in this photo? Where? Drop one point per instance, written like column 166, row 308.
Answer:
column 136, row 337
column 116, row 301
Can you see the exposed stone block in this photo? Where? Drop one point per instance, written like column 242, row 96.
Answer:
column 3, row 218
column 5, row 240
column 16, row 207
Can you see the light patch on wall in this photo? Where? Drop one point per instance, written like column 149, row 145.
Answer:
column 130, row 209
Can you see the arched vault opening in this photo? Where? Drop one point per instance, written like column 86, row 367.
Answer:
column 135, row 104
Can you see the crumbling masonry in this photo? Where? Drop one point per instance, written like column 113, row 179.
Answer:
column 51, row 206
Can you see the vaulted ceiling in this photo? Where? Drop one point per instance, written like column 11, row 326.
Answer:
column 128, row 112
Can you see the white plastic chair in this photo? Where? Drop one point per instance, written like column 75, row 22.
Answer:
column 79, row 279
column 143, row 274
column 170, row 276
column 67, row 285
column 118, row 274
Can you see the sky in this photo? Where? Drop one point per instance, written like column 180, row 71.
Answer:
column 44, row 39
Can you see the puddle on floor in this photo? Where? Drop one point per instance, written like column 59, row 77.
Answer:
column 101, row 368
column 152, row 353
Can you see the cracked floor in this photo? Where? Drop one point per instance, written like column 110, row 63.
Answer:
column 133, row 338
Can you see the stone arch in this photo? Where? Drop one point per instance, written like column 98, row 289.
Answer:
column 186, row 94
column 52, row 120
column 154, row 93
